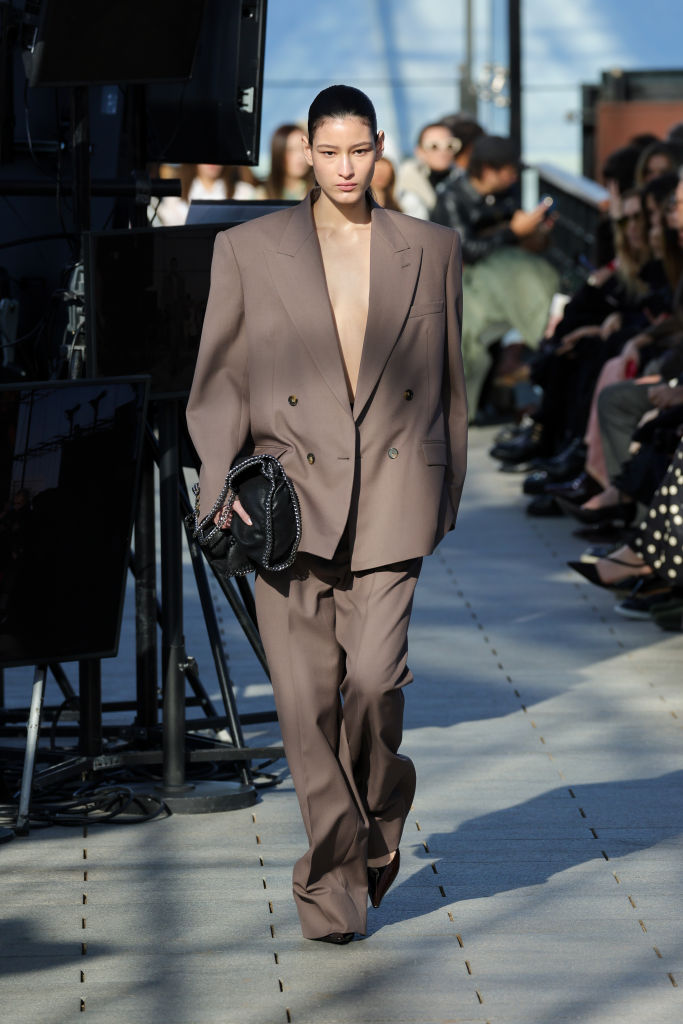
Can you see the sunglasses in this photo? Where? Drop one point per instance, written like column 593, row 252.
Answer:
column 452, row 144
column 631, row 216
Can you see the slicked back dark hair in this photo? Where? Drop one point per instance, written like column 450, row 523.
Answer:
column 340, row 101
column 492, row 151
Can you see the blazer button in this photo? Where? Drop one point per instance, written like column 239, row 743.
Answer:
column 408, row 395
column 393, row 453
column 293, row 400
column 310, row 458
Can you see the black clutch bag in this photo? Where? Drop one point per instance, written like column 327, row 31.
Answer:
column 272, row 541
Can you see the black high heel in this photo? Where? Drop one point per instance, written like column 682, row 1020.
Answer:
column 624, row 511
column 589, row 571
column 379, row 879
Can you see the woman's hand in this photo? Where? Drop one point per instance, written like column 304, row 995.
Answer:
column 611, row 324
column 570, row 340
column 524, row 223
column 630, row 353
column 663, row 396
column 237, row 507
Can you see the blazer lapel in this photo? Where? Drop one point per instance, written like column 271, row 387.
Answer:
column 298, row 274
column 394, row 268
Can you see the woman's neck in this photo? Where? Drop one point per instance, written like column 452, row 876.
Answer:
column 327, row 214
column 207, row 182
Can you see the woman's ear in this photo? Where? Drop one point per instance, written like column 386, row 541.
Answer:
column 379, row 145
column 308, row 154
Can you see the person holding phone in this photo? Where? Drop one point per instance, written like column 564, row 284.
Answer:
column 507, row 284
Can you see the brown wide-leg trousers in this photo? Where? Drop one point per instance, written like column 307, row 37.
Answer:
column 336, row 644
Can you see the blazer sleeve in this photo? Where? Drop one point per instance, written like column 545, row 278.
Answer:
column 218, row 407
column 454, row 396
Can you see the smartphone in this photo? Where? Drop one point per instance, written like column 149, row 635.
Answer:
column 549, row 203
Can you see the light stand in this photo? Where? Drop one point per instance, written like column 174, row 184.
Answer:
column 180, row 796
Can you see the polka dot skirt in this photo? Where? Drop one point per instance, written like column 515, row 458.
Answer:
column 660, row 541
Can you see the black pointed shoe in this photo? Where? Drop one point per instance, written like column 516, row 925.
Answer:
column 590, row 572
column 379, row 879
column 623, row 512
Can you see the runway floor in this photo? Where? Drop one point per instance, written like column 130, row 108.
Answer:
column 542, row 863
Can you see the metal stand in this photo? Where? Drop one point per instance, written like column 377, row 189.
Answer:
column 90, row 705
column 181, row 797
column 35, row 713
column 146, row 596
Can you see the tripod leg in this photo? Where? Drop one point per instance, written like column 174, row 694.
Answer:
column 35, row 714
column 206, row 601
column 245, row 618
column 146, row 596
column 62, row 680
column 224, row 680
column 90, row 693
column 233, row 719
column 247, row 597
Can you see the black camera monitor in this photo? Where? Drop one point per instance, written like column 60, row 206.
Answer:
column 215, row 118
column 147, row 291
column 69, row 458
column 84, row 42
column 146, row 294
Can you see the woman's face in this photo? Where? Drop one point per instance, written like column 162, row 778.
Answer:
column 437, row 148
column 343, row 156
column 295, row 161
column 632, row 215
column 658, row 163
column 210, row 171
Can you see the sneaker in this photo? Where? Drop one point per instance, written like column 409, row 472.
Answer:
column 644, row 607
column 669, row 614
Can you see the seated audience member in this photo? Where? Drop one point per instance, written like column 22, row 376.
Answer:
column 466, row 130
column 201, row 181
column 604, row 314
column 290, row 175
column 507, row 286
column 659, row 207
column 656, row 353
column 418, row 177
column 613, row 482
column 618, row 174
column 383, row 184
column 649, row 567
column 656, row 159
column 675, row 139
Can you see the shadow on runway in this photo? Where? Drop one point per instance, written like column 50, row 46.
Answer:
column 529, row 843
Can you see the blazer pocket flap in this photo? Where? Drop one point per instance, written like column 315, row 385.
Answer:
column 426, row 306
column 434, row 452
column 276, row 450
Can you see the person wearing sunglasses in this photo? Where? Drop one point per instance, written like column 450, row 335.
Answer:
column 507, row 286
column 418, row 177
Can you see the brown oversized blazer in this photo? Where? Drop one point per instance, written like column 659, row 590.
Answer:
column 269, row 378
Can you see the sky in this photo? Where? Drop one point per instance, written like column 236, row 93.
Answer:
column 406, row 55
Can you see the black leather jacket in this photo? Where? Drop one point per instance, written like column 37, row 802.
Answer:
column 480, row 220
